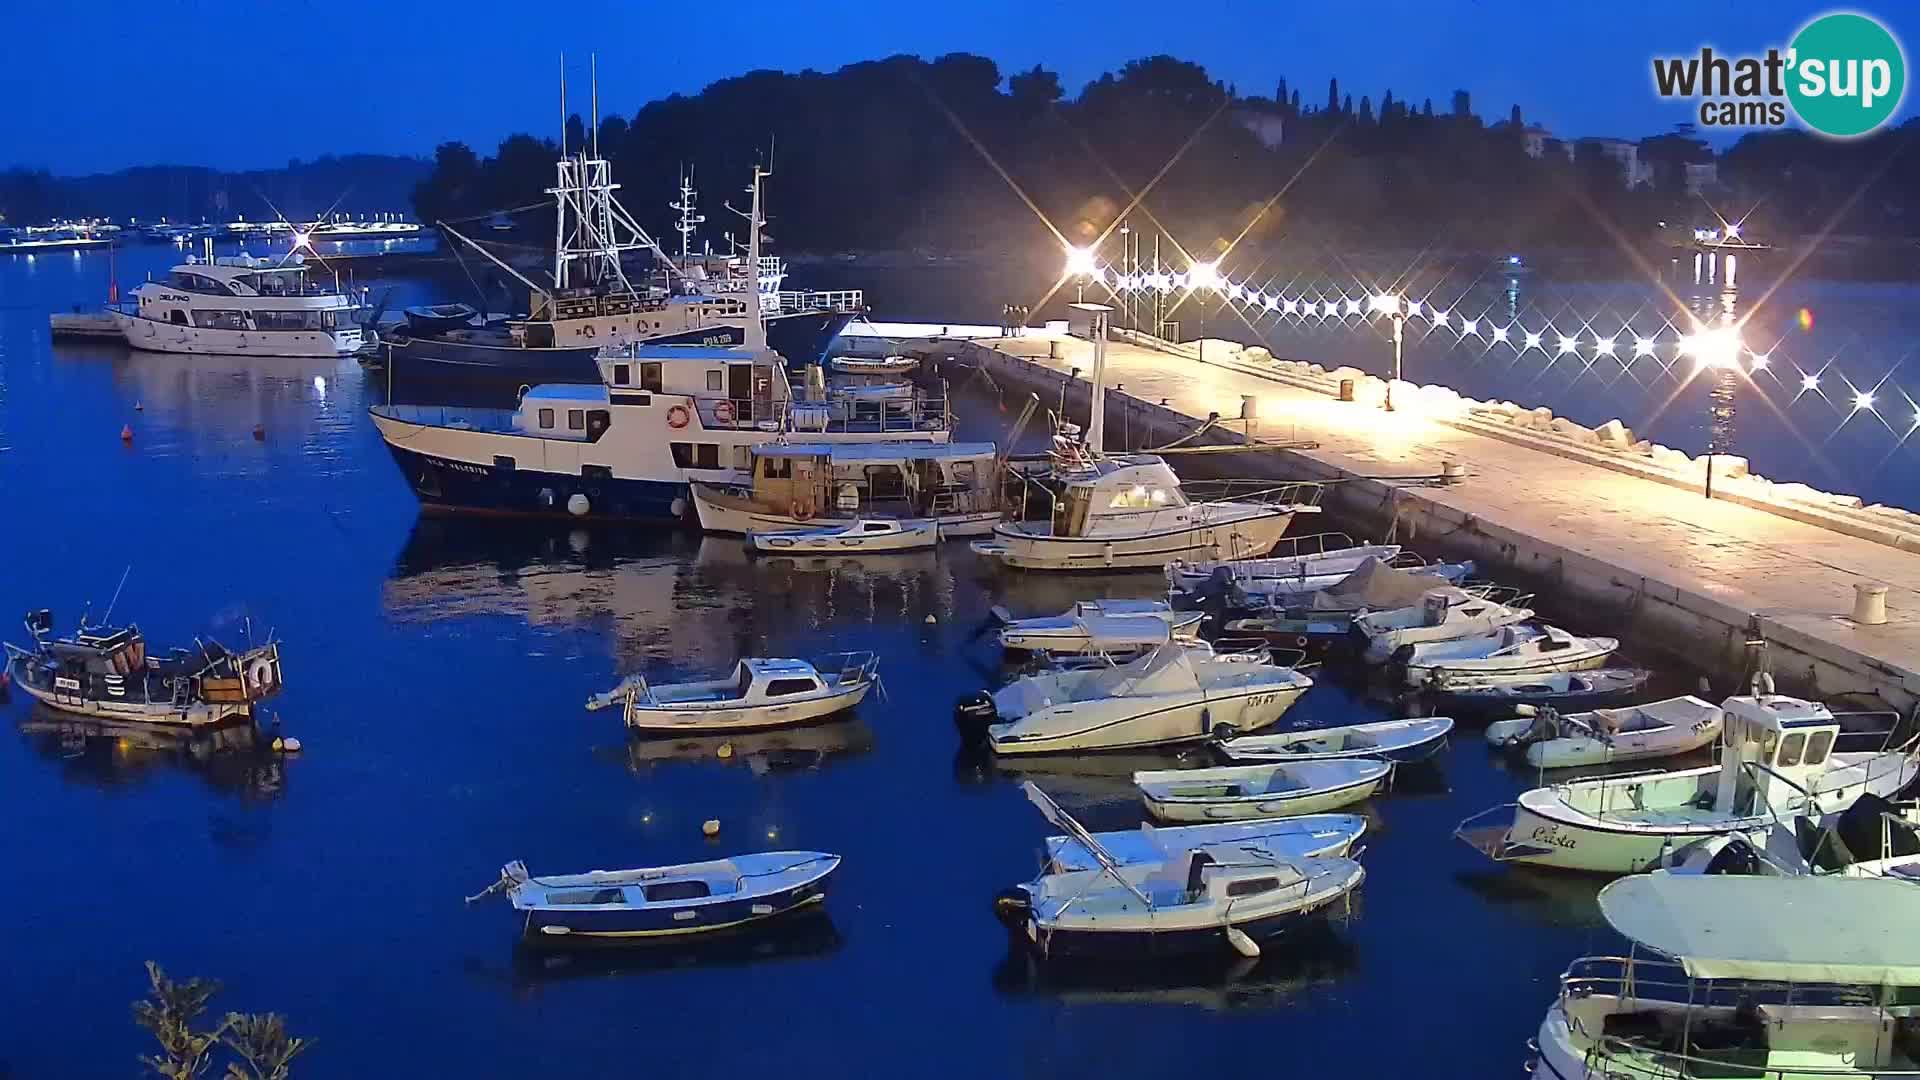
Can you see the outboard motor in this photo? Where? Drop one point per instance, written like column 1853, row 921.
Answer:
column 1737, row 858
column 973, row 714
column 1012, row 906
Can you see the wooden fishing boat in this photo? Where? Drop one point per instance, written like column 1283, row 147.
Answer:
column 665, row 901
column 760, row 693
column 860, row 536
column 1555, row 740
column 1398, row 741
column 107, row 672
column 1240, row 792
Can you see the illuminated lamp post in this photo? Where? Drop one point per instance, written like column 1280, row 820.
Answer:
column 1200, row 278
column 1394, row 305
column 1081, row 266
column 1717, row 350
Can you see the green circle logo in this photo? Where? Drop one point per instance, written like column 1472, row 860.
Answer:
column 1847, row 75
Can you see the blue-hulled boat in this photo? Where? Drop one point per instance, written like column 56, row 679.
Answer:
column 666, row 901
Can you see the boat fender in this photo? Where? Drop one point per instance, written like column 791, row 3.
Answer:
column 724, row 751
column 286, row 744
column 1012, row 906
column 577, row 505
column 723, row 412
column 802, row 510
column 710, row 827
column 973, row 714
column 1242, row 944
column 1222, row 732
column 678, row 507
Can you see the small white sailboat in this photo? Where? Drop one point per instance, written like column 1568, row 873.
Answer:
column 1657, row 729
column 760, row 693
column 1399, row 741
column 1130, row 512
column 1513, row 650
column 1444, row 614
column 1093, row 625
column 1280, row 838
column 860, row 536
column 1170, row 695
column 1240, row 792
column 1777, row 759
column 1191, row 900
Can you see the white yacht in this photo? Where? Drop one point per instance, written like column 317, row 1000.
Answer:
column 239, row 305
column 1742, row 976
column 1777, row 760
column 1129, row 512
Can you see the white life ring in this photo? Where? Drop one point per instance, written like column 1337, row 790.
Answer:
column 723, row 412
column 679, row 417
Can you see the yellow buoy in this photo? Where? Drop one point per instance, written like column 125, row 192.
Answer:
column 126, row 433
column 725, row 751
column 711, row 827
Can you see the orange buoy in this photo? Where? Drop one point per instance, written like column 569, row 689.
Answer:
column 260, row 433
column 126, row 433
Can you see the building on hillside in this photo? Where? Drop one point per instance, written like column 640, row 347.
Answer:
column 1702, row 177
column 1535, row 138
column 1626, row 154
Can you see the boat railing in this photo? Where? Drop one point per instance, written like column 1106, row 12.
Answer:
column 902, row 416
column 1320, row 543
column 823, row 300
column 856, row 666
column 1641, row 1060
column 1294, row 494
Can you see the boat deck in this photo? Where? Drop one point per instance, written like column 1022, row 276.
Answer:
column 1607, row 527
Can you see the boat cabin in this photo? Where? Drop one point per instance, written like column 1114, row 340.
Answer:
column 1776, row 743
column 1121, row 494
column 730, row 386
column 565, row 411
column 899, row 479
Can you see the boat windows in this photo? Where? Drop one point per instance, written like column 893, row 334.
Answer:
column 776, row 468
column 576, row 419
column 715, row 380
column 876, row 527
column 504, row 463
column 706, row 455
column 1791, row 749
column 682, row 454
column 784, row 687
column 622, row 374
column 286, row 320
column 1818, row 744
column 676, row 890
column 1138, row 497
column 546, row 418
column 1252, row 886
column 598, row 421
column 177, row 317
column 650, row 377
column 571, row 897
column 220, row 320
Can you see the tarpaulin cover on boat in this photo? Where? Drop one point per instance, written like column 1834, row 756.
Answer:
column 1379, row 587
column 1849, row 931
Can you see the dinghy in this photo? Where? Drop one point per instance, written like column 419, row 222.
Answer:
column 1165, row 697
column 1240, row 792
column 1443, row 615
column 1657, row 729
column 761, row 693
column 1514, row 650
column 1399, row 741
column 1189, row 901
column 1777, row 759
column 1565, row 690
column 665, row 901
column 1336, row 563
column 886, row 365
column 1279, row 838
column 1096, row 626
column 857, row 537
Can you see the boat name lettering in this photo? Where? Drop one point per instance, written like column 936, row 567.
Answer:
column 174, row 298
column 61, row 682
column 1550, row 834
column 461, row 466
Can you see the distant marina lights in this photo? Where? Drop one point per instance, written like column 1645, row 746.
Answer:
column 1533, row 340
column 1081, row 263
column 1470, row 326
column 1718, row 347
column 1602, row 346
column 1643, row 346
column 1568, row 344
column 1499, row 333
column 1863, row 400
column 1810, row 382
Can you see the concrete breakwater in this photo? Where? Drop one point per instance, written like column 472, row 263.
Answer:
column 1601, row 522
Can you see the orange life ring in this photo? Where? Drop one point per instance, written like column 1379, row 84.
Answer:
column 801, row 510
column 723, row 412
column 679, row 416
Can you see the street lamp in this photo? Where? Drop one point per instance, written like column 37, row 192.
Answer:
column 1082, row 265
column 1394, row 305
column 1201, row 277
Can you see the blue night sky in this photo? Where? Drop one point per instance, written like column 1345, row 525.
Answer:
column 250, row 83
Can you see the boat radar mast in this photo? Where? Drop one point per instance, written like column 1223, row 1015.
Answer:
column 756, row 330
column 591, row 228
column 690, row 221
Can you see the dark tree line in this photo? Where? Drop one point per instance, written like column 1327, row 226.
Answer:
column 357, row 183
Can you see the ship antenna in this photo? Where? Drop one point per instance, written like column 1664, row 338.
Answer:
column 563, row 104
column 593, row 80
column 111, row 604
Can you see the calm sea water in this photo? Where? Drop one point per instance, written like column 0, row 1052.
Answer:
column 436, row 671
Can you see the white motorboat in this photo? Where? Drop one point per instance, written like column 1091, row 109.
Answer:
column 240, row 306
column 1240, row 792
column 1336, row 562
column 1280, row 838
column 1565, row 690
column 1130, row 512
column 1271, row 594
column 760, row 693
column 1444, row 614
column 1191, row 900
column 1513, row 650
column 1777, row 759
column 1096, row 626
column 859, row 536
column 813, row 484
column 665, row 901
column 1399, row 741
column 1775, row 979
column 886, row 365
column 1168, row 696
column 1555, row 740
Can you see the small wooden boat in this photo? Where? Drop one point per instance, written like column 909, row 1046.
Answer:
column 1336, row 563
column 761, row 693
column 1398, row 741
column 1279, row 838
column 1556, row 740
column 887, row 365
column 1191, row 900
column 1564, row 690
column 1514, row 650
column 107, row 672
column 1310, row 633
column 1240, row 792
column 428, row 319
column 1096, row 626
column 1447, row 614
column 665, row 901
column 857, row 537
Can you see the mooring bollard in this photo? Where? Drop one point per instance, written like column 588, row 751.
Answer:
column 1869, row 603
column 1346, row 389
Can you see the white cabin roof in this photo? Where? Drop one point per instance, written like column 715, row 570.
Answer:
column 1778, row 712
column 1844, row 930
column 1118, row 472
column 596, row 395
column 230, row 267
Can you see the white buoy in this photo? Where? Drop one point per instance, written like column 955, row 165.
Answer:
column 679, row 507
column 931, row 620
column 1241, row 943
column 711, row 827
column 577, row 505
column 289, row 744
